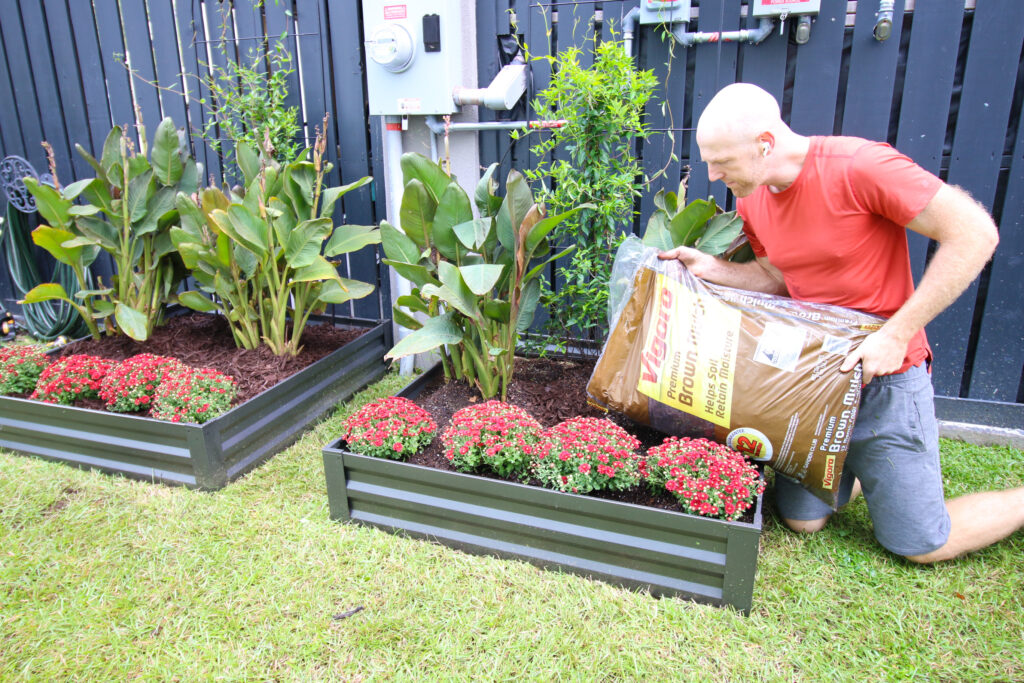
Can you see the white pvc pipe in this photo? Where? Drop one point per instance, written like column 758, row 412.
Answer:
column 393, row 171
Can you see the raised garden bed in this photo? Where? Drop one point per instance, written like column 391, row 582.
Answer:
column 662, row 551
column 205, row 456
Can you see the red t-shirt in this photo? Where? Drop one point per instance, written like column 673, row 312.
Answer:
column 838, row 233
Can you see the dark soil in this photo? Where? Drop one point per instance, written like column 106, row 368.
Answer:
column 551, row 390
column 205, row 341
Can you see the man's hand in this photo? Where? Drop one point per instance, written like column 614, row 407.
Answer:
column 880, row 354
column 696, row 261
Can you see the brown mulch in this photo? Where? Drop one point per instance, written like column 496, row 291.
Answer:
column 205, row 341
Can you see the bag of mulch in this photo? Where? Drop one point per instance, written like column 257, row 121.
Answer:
column 757, row 372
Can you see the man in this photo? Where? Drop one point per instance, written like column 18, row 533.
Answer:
column 826, row 219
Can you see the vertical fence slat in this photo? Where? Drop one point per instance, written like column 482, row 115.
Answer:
column 48, row 96
column 281, row 27
column 140, row 58
column 352, row 133
column 869, row 87
column 978, row 145
column 308, row 23
column 490, row 19
column 657, row 150
column 168, row 65
column 10, row 115
column 189, row 27
column 90, row 63
column 764, row 64
column 119, row 94
column 998, row 364
column 816, row 84
column 924, row 104
column 716, row 68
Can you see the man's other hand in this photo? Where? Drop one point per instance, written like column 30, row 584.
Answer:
column 880, row 353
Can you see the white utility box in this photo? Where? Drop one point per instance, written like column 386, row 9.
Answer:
column 784, row 8
column 413, row 55
column 664, row 11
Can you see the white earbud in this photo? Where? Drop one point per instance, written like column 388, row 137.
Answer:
column 765, row 148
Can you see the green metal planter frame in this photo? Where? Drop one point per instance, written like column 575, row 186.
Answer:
column 206, row 456
column 665, row 552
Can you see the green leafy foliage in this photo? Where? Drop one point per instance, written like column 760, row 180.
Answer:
column 701, row 224
column 128, row 212
column 590, row 160
column 475, row 280
column 262, row 258
column 247, row 102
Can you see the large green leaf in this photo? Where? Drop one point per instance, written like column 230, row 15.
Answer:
column 304, row 242
column 436, row 332
column 167, row 165
column 453, row 209
column 331, row 195
column 248, row 161
column 139, row 191
column 99, row 230
column 413, row 303
column 416, row 215
column 545, row 225
column 319, row 269
column 720, row 233
column 197, row 302
column 517, row 204
column 473, row 234
column 191, row 218
column 480, row 278
column 458, row 293
column 248, row 228
column 536, row 270
column 110, row 159
column 342, row 290
column 97, row 193
column 418, row 275
column 529, row 298
column 498, row 310
column 405, row 319
column 91, row 160
column 397, row 245
column 45, row 292
column 130, row 321
column 687, row 226
column 52, row 240
column 487, row 201
column 420, row 168
column 349, row 238
column 158, row 206
column 657, row 234
column 50, row 205
column 298, row 185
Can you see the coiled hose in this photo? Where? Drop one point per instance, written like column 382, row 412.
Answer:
column 46, row 320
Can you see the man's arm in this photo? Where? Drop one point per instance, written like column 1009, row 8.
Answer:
column 757, row 276
column 967, row 238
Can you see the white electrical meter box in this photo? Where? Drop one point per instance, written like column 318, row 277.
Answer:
column 784, row 8
column 664, row 11
column 413, row 55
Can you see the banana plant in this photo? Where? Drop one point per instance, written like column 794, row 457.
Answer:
column 262, row 259
column 129, row 211
column 700, row 224
column 476, row 280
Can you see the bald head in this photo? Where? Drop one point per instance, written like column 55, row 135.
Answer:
column 738, row 114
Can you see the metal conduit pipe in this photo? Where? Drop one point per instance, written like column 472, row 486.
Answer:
column 754, row 36
column 437, row 126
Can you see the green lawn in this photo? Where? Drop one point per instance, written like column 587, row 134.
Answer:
column 102, row 578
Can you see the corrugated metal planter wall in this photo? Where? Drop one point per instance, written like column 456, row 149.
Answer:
column 665, row 552
column 206, row 456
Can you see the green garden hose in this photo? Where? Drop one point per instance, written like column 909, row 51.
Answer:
column 46, row 320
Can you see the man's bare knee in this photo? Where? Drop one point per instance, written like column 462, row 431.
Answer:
column 806, row 526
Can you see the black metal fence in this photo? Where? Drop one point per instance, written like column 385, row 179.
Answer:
column 946, row 89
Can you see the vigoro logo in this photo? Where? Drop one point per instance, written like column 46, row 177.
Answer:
column 751, row 443
column 830, row 472
column 655, row 356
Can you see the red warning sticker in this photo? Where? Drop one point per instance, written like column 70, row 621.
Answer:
column 395, row 11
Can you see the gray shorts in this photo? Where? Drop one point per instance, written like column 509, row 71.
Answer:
column 894, row 451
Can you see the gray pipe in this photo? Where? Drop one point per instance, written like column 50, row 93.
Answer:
column 628, row 26
column 754, row 36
